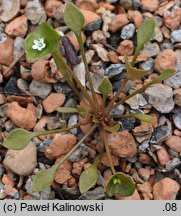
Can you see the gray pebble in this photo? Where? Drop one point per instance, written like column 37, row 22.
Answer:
column 40, row 89
column 42, row 146
column 151, row 49
column 1, row 170
column 61, row 88
column 2, row 194
column 119, row 110
column 81, row 152
column 18, row 47
column 171, row 165
column 176, row 36
column 148, row 65
column 128, row 31
column 93, row 26
column 72, row 121
column 158, row 36
column 96, row 194
column 160, row 134
column 166, row 45
column 177, row 120
column 114, row 69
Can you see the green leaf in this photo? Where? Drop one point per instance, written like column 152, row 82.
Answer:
column 82, row 111
column 18, row 139
column 132, row 72
column 165, row 75
column 120, row 184
column 67, row 110
column 143, row 117
column 88, row 178
column 145, row 32
column 112, row 129
column 51, row 39
column 105, row 87
column 44, row 178
column 73, row 18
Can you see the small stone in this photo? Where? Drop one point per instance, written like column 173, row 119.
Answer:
column 1, row 171
column 137, row 101
column 122, row 144
column 7, row 45
column 40, row 89
column 61, row 144
column 177, row 120
column 119, row 110
column 166, row 189
column 114, row 69
column 98, row 36
column 160, row 134
column 93, row 26
column 72, row 121
column 53, row 101
column 136, row 17
column 40, row 72
column 172, row 164
column 148, row 65
column 35, row 12
column 128, row 31
column 160, row 97
column 78, row 166
column 80, row 72
column 158, row 36
column 17, row 27
column 145, row 191
column 22, row 117
column 51, row 6
column 113, row 57
column 96, row 194
column 177, row 96
column 74, row 41
column 176, row 36
column 174, row 142
column 163, row 156
column 172, row 18
column 166, row 59
column 18, row 47
column 62, row 88
column 144, row 173
column 126, row 47
column 134, row 196
column 81, row 152
column 62, row 176
column 11, row 86
column 22, row 162
column 118, row 22
column 105, row 161
column 150, row 49
column 90, row 5
column 9, row 9
column 101, row 52
column 150, row 5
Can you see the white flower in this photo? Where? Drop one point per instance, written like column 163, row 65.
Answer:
column 39, row 44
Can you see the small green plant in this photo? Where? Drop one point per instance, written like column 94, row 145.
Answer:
column 45, row 40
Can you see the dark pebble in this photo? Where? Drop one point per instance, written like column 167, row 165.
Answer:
column 96, row 194
column 11, row 86
column 93, row 26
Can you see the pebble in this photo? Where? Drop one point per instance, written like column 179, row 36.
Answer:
column 90, row 5
column 93, row 26
column 118, row 22
column 147, row 65
column 166, row 189
column 35, row 12
column 40, row 89
column 176, row 36
column 113, row 56
column 72, row 121
column 114, row 69
column 177, row 96
column 9, row 9
column 160, row 97
column 62, row 176
column 165, row 59
column 172, row 18
column 122, row 144
column 22, row 117
column 18, row 47
column 177, row 120
column 105, row 161
column 96, row 194
column 145, row 190
column 158, row 36
column 53, row 101
column 80, row 72
column 163, row 156
column 174, row 142
column 11, row 86
column 136, row 17
column 107, row 18
column 128, row 31
column 151, row 49
column 61, row 145
column 78, row 166
column 172, row 164
column 126, row 47
column 51, row 7
column 150, row 5
column 74, row 41
column 17, row 27
column 7, row 45
column 21, row 162
column 101, row 52
column 81, row 152
column 1, row 171
column 119, row 110
column 98, row 36
column 62, row 88
column 43, row 69
column 137, row 101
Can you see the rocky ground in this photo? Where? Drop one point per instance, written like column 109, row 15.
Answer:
column 30, row 92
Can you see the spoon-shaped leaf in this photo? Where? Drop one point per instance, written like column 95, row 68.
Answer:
column 44, row 178
column 51, row 40
column 67, row 110
column 18, row 139
column 88, row 178
column 120, row 184
column 143, row 117
column 132, row 72
column 105, row 87
column 112, row 129
column 73, row 18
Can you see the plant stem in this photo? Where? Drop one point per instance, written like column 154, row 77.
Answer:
column 134, row 93
column 77, row 145
column 60, row 62
column 135, row 56
column 109, row 107
column 79, row 38
column 108, row 150
column 122, row 116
